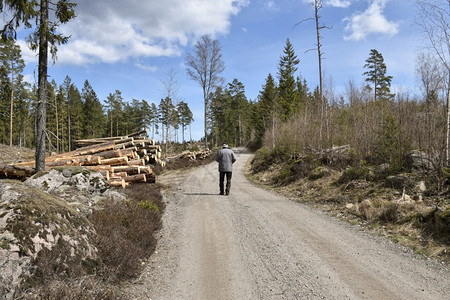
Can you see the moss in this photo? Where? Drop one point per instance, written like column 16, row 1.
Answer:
column 148, row 205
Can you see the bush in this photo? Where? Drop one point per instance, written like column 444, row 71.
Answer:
column 262, row 160
column 359, row 171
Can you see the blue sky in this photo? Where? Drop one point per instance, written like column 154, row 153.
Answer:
column 132, row 45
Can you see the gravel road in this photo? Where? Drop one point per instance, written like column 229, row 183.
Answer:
column 255, row 244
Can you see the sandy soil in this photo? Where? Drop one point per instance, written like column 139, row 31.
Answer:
column 255, row 244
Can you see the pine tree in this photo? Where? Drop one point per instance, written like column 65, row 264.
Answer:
column 12, row 63
column 115, row 108
column 376, row 74
column 289, row 98
column 186, row 117
column 45, row 34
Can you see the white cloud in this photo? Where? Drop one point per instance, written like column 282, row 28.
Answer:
column 338, row 3
column 28, row 55
column 360, row 25
column 145, row 67
column 270, row 5
column 113, row 31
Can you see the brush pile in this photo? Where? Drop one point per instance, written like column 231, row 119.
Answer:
column 122, row 160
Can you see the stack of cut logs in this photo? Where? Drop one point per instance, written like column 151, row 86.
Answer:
column 121, row 160
column 194, row 155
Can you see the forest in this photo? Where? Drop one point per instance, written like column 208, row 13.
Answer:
column 288, row 117
column 73, row 114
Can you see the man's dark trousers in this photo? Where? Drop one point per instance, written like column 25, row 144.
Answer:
column 221, row 182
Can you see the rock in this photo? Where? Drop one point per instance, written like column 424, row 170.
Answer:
column 421, row 187
column 41, row 235
column 81, row 178
column 421, row 161
column 78, row 186
column 349, row 205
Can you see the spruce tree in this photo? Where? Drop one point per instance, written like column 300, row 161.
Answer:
column 289, row 99
column 94, row 119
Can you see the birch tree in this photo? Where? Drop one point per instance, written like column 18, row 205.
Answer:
column 205, row 67
column 434, row 21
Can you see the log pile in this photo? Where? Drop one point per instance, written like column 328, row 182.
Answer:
column 194, row 155
column 122, row 160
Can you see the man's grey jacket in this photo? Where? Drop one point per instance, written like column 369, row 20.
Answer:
column 225, row 157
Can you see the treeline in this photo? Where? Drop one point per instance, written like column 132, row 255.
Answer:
column 380, row 126
column 73, row 115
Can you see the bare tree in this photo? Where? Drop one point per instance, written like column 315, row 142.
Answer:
column 432, row 78
column 318, row 5
column 433, row 18
column 204, row 67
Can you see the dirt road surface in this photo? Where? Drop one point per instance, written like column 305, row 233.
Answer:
column 255, row 244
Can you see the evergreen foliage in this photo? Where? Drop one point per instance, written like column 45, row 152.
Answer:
column 376, row 74
column 289, row 97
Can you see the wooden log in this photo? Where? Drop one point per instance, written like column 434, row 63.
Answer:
column 118, row 175
column 76, row 161
column 116, row 161
column 130, row 152
column 136, row 178
column 157, row 147
column 110, row 154
column 129, row 144
column 137, row 133
column 151, row 178
column 118, row 183
column 96, row 149
column 142, row 152
column 99, row 168
column 16, row 172
column 131, row 170
column 145, row 170
column 136, row 162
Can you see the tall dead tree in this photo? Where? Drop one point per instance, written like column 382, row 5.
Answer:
column 318, row 5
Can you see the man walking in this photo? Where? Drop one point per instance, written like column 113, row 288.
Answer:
column 225, row 157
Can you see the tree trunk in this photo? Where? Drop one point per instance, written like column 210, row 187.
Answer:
column 12, row 107
column 317, row 6
column 448, row 122
column 42, row 88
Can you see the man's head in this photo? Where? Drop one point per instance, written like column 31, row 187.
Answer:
column 224, row 145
